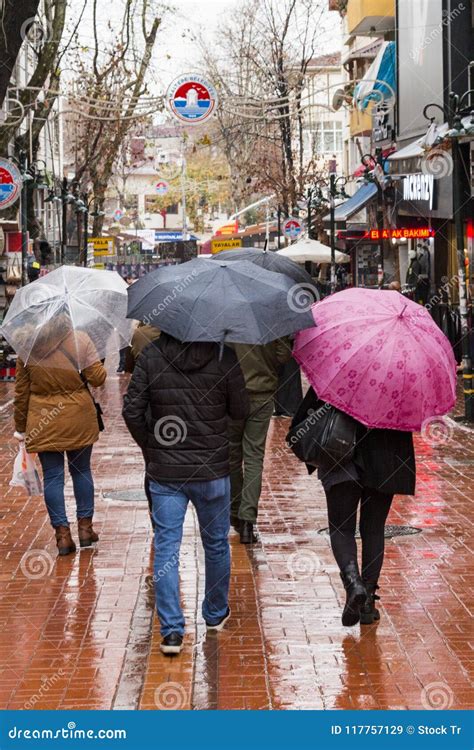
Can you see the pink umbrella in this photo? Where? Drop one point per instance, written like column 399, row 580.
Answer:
column 379, row 357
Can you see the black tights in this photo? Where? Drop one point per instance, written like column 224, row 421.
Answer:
column 343, row 500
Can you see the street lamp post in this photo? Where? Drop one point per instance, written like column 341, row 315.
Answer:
column 453, row 114
column 24, row 217
column 64, row 199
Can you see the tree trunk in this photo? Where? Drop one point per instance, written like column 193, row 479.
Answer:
column 15, row 19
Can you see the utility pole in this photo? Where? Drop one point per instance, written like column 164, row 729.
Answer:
column 24, row 218
column 64, row 196
column 332, row 212
column 183, row 192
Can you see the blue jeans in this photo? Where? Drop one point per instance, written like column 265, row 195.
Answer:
column 212, row 502
column 79, row 462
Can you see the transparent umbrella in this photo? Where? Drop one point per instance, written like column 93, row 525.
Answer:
column 83, row 307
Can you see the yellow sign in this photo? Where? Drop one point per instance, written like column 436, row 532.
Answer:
column 102, row 245
column 98, row 253
column 100, row 266
column 218, row 245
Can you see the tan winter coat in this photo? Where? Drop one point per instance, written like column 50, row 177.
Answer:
column 52, row 405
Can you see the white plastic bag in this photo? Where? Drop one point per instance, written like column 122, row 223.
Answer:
column 25, row 473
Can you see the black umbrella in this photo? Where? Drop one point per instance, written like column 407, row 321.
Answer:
column 204, row 300
column 269, row 260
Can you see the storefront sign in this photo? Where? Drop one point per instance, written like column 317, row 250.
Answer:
column 218, row 245
column 415, row 233
column 419, row 188
column 102, row 245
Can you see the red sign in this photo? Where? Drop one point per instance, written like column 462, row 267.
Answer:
column 407, row 233
column 417, row 233
column 227, row 229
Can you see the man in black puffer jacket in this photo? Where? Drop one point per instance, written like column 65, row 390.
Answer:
column 177, row 408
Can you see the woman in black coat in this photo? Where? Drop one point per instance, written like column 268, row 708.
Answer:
column 382, row 466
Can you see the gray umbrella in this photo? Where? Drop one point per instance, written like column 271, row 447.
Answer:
column 205, row 300
column 269, row 260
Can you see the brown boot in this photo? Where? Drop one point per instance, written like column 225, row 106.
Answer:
column 87, row 535
column 64, row 541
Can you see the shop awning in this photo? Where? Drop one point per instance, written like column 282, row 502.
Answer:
column 356, row 203
column 379, row 83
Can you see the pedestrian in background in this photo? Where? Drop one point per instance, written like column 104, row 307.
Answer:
column 123, row 352
column 177, row 407
column 55, row 415
column 143, row 335
column 260, row 365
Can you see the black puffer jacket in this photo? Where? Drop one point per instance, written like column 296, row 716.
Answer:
column 177, row 407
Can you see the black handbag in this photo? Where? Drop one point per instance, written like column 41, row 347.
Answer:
column 321, row 435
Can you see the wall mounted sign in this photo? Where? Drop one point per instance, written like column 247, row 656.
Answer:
column 10, row 183
column 406, row 233
column 419, row 188
column 191, row 98
column 409, row 233
column 218, row 245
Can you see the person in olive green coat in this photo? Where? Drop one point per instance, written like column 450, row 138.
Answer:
column 260, row 366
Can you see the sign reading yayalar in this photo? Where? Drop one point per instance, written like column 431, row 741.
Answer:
column 102, row 245
column 218, row 245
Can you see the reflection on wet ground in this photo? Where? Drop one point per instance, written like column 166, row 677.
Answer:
column 79, row 632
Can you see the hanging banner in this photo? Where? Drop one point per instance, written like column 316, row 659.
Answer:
column 10, row 183
column 191, row 98
column 292, row 228
column 161, row 187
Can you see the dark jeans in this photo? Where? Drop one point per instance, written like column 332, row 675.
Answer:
column 79, row 462
column 211, row 500
column 343, row 500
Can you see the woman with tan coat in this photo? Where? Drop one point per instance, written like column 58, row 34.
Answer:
column 55, row 414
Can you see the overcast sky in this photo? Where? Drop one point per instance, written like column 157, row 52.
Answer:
column 176, row 52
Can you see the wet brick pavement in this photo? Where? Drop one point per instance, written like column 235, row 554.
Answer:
column 79, row 632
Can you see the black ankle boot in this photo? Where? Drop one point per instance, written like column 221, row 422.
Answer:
column 356, row 594
column 368, row 612
column 247, row 534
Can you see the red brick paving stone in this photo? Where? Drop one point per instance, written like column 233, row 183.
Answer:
column 82, row 633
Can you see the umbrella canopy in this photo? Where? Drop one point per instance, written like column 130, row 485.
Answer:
column 87, row 304
column 378, row 357
column 311, row 250
column 206, row 300
column 269, row 260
